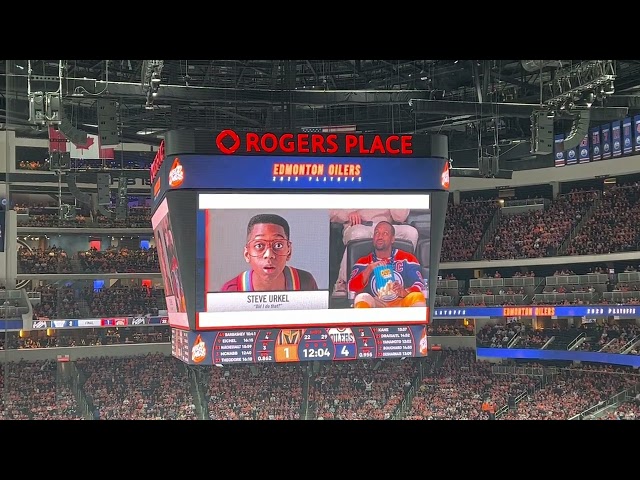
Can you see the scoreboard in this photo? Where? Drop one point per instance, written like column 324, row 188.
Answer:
column 282, row 345
column 245, row 229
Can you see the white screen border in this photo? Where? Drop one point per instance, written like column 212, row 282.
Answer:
column 317, row 317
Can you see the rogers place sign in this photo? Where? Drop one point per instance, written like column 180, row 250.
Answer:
column 229, row 142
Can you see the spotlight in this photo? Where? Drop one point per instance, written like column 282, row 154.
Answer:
column 609, row 88
column 587, row 98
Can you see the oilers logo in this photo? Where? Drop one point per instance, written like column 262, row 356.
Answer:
column 584, row 153
column 342, row 335
column 606, row 147
column 596, row 150
column 627, row 142
column 616, row 145
column 559, row 155
column 572, row 153
column 638, row 140
column 383, row 288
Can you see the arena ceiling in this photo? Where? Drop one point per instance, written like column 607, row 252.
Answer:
column 479, row 104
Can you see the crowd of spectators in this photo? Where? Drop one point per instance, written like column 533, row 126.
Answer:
column 41, row 165
column 613, row 226
column 87, row 337
column 629, row 410
column 572, row 392
column 111, row 260
column 149, row 387
column 33, row 392
column 450, row 328
column 119, row 260
column 55, row 303
column 465, row 389
column 59, row 302
column 455, row 386
column 538, row 233
column 128, row 160
column 118, row 301
column 261, row 392
column 38, row 215
column 43, row 260
column 360, row 391
column 465, row 225
column 610, row 338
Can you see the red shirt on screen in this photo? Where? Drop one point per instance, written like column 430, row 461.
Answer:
column 295, row 279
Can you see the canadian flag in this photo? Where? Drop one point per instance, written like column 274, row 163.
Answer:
column 89, row 151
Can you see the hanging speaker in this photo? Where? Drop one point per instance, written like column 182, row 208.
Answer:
column 108, row 123
column 104, row 193
column 579, row 130
column 542, row 138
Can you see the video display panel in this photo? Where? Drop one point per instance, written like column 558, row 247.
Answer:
column 274, row 254
column 169, row 266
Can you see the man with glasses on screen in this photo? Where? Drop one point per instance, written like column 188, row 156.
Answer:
column 267, row 251
column 387, row 277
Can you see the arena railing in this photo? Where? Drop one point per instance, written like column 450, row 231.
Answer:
column 504, row 282
column 588, row 279
column 629, row 277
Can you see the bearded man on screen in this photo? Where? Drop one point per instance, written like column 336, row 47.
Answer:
column 267, row 251
column 359, row 224
column 387, row 277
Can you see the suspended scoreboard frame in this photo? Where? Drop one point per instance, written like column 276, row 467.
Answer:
column 206, row 185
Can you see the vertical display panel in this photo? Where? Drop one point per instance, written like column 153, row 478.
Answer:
column 170, row 266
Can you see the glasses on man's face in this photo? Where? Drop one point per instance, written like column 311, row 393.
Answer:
column 257, row 248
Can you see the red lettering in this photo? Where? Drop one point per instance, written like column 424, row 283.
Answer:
column 361, row 146
column 157, row 161
column 269, row 142
column 303, row 142
column 377, row 146
column 350, row 142
column 406, row 145
column 389, row 146
column 332, row 146
column 317, row 144
column 252, row 142
column 287, row 143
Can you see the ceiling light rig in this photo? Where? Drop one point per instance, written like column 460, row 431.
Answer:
column 151, row 79
column 580, row 85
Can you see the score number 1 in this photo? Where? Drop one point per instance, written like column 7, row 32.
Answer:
column 286, row 353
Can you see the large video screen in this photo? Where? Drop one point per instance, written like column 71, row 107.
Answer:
column 277, row 254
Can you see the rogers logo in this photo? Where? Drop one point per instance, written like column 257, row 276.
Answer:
column 199, row 350
column 224, row 135
column 176, row 175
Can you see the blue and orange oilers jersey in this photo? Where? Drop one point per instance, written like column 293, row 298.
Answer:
column 402, row 267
